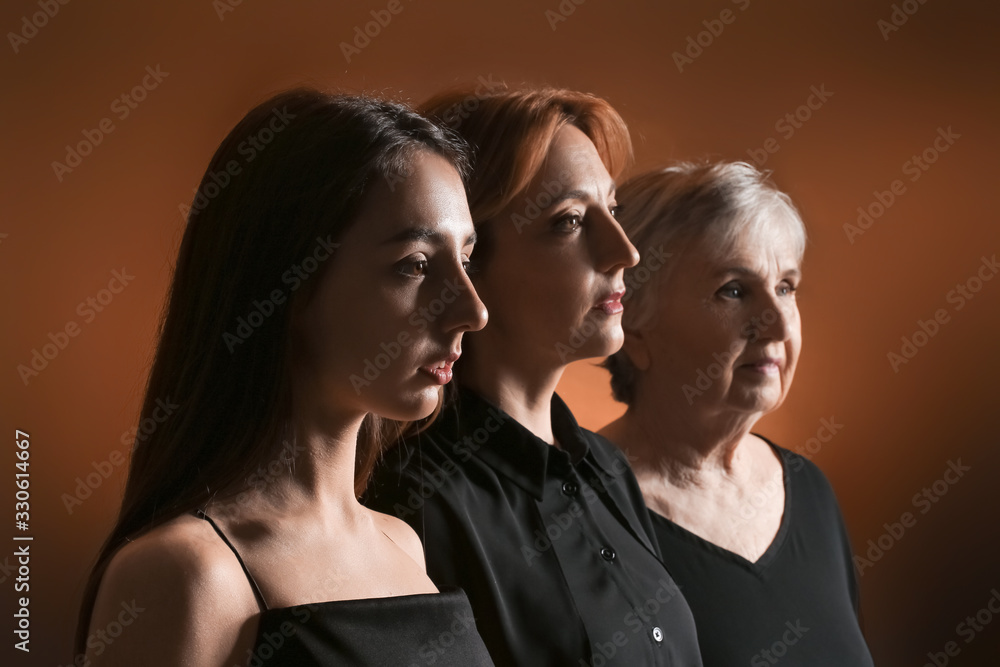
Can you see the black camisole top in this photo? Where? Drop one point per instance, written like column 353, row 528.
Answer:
column 407, row 630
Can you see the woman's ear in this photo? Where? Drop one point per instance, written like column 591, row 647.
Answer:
column 636, row 350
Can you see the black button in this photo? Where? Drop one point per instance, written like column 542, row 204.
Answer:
column 570, row 488
column 607, row 553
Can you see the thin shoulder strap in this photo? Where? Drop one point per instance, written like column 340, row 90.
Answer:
column 261, row 602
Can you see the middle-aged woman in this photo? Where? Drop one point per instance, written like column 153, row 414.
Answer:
column 750, row 531
column 539, row 520
column 323, row 226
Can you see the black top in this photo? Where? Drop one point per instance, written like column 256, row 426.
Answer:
column 407, row 630
column 797, row 605
column 551, row 544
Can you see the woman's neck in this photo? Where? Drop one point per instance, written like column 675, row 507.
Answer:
column 326, row 469
column 681, row 444
column 523, row 393
column 311, row 474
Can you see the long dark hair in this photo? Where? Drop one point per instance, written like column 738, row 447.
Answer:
column 284, row 185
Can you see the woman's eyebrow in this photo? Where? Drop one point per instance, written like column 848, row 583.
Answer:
column 578, row 194
column 744, row 271
column 412, row 234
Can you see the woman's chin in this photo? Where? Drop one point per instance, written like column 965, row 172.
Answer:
column 760, row 400
column 598, row 345
column 413, row 406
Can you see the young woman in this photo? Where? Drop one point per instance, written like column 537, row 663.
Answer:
column 541, row 521
column 323, row 230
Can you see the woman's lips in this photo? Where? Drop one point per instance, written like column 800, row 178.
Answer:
column 612, row 304
column 768, row 366
column 441, row 370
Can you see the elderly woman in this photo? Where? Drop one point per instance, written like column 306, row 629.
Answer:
column 750, row 531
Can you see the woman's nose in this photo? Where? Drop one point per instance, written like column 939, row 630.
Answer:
column 770, row 322
column 464, row 310
column 612, row 247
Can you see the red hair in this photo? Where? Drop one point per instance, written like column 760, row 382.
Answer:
column 510, row 132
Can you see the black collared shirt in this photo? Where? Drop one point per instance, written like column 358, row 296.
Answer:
column 552, row 545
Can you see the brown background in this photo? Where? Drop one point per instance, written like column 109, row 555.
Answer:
column 119, row 208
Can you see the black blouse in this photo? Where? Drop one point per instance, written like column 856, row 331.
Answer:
column 551, row 544
column 796, row 605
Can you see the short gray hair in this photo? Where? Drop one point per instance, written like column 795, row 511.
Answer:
column 669, row 209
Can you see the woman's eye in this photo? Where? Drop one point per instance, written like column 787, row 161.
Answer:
column 615, row 210
column 785, row 289
column 569, row 223
column 412, row 269
column 470, row 266
column 732, row 291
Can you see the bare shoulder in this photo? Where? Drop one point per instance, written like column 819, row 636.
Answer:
column 402, row 534
column 176, row 595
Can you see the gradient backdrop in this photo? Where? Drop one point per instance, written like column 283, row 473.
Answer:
column 888, row 93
